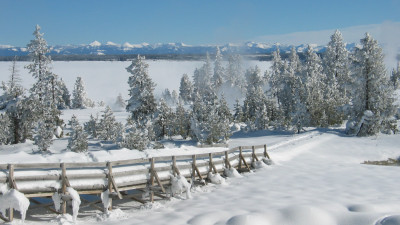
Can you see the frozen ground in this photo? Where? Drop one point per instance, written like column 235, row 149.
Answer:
column 105, row 80
column 317, row 179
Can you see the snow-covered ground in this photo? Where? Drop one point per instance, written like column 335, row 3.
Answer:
column 105, row 80
column 317, row 179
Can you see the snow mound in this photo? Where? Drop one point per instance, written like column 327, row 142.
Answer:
column 64, row 219
column 259, row 165
column 76, row 202
column 250, row 219
column 115, row 214
column 306, row 215
column 269, row 162
column 14, row 199
column 215, row 178
column 389, row 220
column 105, row 199
column 57, row 201
column 231, row 172
column 179, row 184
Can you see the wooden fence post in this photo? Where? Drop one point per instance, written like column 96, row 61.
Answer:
column 64, row 187
column 13, row 185
column 227, row 163
column 152, row 180
column 211, row 164
column 174, row 168
column 240, row 158
column 254, row 156
column 265, row 152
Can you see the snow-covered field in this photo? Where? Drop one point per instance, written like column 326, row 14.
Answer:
column 105, row 80
column 317, row 179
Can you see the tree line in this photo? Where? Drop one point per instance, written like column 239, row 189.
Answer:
column 317, row 91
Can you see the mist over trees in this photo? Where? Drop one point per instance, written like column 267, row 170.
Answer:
column 220, row 97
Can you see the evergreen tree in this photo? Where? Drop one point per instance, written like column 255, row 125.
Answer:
column 65, row 101
column 44, row 136
column 255, row 111
column 222, row 126
column 238, row 116
column 314, row 81
column 5, row 131
column 218, row 76
column 78, row 138
column 373, row 93
column 234, row 75
column 203, row 82
column 182, row 121
column 141, row 104
column 337, row 70
column 92, row 127
column 164, row 121
column 395, row 77
column 120, row 103
column 274, row 77
column 186, row 89
column 80, row 100
column 13, row 88
column 43, row 99
column 110, row 130
column 137, row 137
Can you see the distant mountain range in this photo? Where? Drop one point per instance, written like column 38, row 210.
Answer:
column 110, row 48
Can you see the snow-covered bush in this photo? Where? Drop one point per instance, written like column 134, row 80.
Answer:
column 78, row 138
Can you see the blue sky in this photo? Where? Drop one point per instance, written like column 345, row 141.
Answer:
column 190, row 21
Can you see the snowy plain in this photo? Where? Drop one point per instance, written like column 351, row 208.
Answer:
column 317, row 177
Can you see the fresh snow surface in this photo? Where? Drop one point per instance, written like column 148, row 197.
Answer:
column 14, row 199
column 317, row 178
column 104, row 81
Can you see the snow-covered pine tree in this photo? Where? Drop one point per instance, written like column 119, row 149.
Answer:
column 219, row 70
column 224, row 119
column 254, row 104
column 186, row 89
column 163, row 124
column 166, row 95
column 5, row 131
column 119, row 103
column 175, row 98
column 110, row 129
column 78, row 138
column 203, row 82
column 337, row 69
column 182, row 121
column 13, row 88
column 234, row 75
column 43, row 100
column 395, row 77
column 80, row 100
column 44, row 136
column 373, row 92
column 275, row 76
column 238, row 115
column 65, row 101
column 314, row 81
column 137, row 137
column 141, row 104
column 92, row 127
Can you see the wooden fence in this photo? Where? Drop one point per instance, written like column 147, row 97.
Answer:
column 118, row 177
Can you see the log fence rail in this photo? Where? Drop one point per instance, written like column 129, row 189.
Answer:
column 151, row 174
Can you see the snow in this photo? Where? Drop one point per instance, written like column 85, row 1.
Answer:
column 76, row 201
column 215, row 178
column 179, row 185
column 105, row 199
column 95, row 44
column 232, row 173
column 57, row 201
column 14, row 199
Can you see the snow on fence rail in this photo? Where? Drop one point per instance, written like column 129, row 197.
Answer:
column 46, row 179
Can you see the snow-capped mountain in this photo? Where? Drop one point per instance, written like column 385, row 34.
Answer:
column 110, row 48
